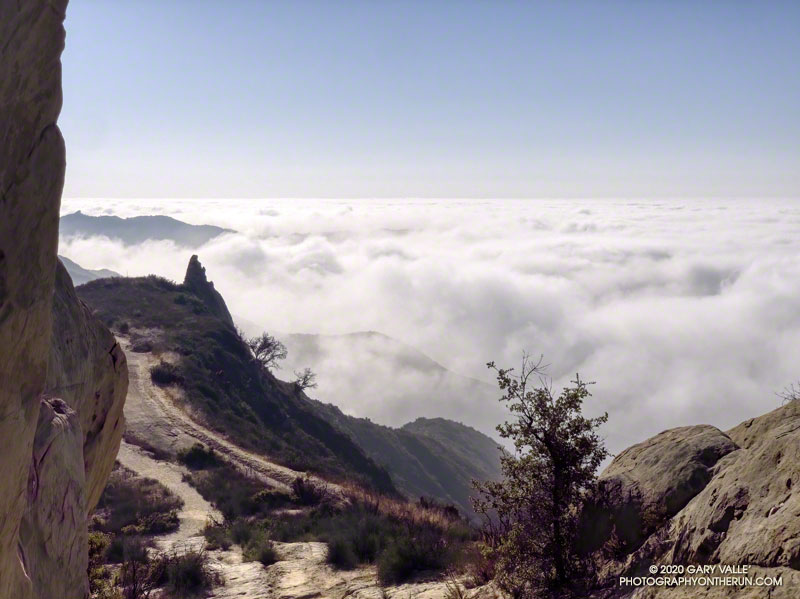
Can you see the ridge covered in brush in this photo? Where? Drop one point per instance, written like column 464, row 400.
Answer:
column 220, row 378
column 430, row 457
column 434, row 458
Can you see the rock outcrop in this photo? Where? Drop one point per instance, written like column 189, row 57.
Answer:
column 63, row 380
column 648, row 483
column 698, row 496
column 197, row 282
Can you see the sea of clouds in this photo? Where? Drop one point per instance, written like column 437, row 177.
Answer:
column 681, row 311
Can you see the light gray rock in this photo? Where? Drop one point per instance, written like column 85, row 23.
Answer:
column 750, row 511
column 745, row 511
column 652, row 481
column 88, row 370
column 53, row 534
column 32, row 161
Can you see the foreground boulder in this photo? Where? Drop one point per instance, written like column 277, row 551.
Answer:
column 698, row 496
column 649, row 483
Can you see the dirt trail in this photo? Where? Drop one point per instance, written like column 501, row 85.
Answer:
column 243, row 580
column 151, row 411
column 196, row 510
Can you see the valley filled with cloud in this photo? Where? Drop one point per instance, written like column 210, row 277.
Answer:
column 681, row 311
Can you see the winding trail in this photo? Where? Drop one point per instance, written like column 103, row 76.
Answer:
column 153, row 412
column 153, row 415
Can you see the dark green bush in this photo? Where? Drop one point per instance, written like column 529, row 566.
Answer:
column 217, row 536
column 198, row 457
column 236, row 495
column 184, row 573
column 407, row 556
column 341, row 554
column 134, row 505
column 165, row 373
column 306, row 492
column 241, row 532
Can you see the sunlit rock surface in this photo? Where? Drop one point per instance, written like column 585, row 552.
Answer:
column 63, row 379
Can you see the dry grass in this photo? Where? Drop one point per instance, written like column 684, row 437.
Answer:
column 405, row 511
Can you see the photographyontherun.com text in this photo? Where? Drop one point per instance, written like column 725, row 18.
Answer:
column 716, row 575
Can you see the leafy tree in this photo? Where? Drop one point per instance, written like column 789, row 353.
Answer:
column 267, row 350
column 532, row 515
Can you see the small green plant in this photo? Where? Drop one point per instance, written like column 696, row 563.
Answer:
column 217, row 536
column 259, row 548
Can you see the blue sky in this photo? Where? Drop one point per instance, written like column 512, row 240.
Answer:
column 192, row 98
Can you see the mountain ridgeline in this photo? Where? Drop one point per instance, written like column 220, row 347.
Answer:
column 138, row 229
column 219, row 378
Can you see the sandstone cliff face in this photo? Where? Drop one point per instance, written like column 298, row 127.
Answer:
column 77, row 438
column 88, row 370
column 63, row 380
column 32, row 164
column 706, row 497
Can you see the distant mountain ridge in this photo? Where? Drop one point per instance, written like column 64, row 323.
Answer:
column 80, row 275
column 138, row 229
column 430, row 457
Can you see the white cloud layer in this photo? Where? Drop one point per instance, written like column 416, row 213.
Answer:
column 682, row 311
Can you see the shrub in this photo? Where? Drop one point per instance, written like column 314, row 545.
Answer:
column 533, row 514
column 134, row 575
column 233, row 494
column 165, row 373
column 241, row 531
column 217, row 536
column 407, row 556
column 341, row 554
column 260, row 548
column 272, row 498
column 98, row 573
column 306, row 492
column 134, row 505
column 198, row 457
column 183, row 573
